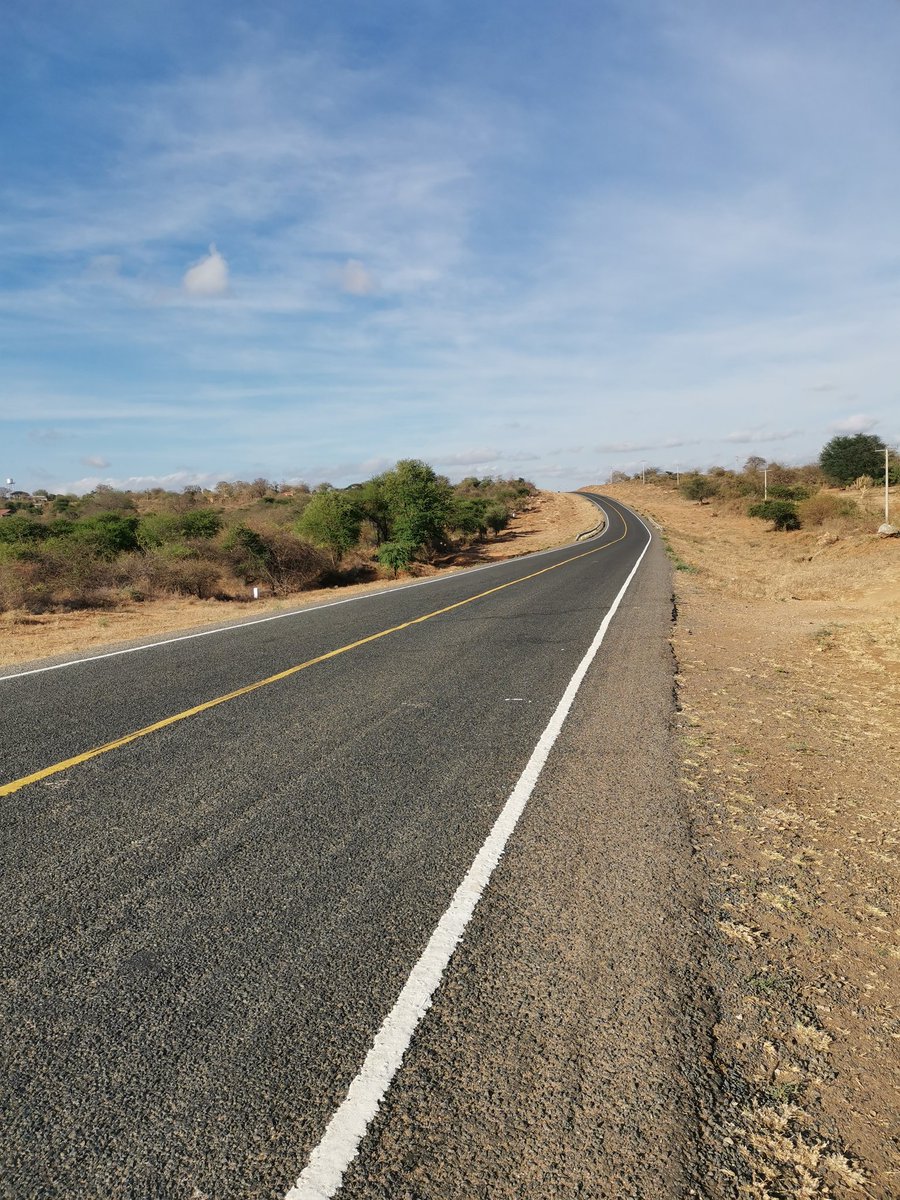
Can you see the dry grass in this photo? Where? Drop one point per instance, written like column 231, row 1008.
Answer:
column 551, row 519
column 789, row 679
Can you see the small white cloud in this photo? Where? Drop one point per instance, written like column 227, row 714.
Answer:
column 208, row 277
column 857, row 423
column 748, row 436
column 95, row 460
column 356, row 279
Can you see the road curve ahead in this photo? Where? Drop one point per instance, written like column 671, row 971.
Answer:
column 224, row 855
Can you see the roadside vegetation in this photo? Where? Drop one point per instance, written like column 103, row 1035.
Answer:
column 107, row 547
column 842, row 490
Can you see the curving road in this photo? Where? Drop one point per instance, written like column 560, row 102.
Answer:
column 223, row 855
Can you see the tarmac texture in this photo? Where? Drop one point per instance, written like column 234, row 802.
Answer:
column 205, row 927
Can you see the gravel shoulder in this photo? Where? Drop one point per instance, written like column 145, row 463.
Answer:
column 788, row 650
column 566, row 1052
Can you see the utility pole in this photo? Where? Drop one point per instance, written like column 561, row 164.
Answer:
column 887, row 501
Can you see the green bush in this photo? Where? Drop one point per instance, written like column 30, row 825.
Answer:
column 782, row 513
column 497, row 518
column 396, row 555
column 106, row 535
column 331, row 519
column 21, row 529
column 786, row 491
column 467, row 515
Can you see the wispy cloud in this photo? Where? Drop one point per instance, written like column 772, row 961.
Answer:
column 752, row 436
column 412, row 258
column 857, row 423
column 95, row 460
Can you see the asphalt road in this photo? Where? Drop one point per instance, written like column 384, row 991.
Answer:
column 205, row 926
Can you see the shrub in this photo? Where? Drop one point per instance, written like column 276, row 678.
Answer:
column 277, row 558
column 786, row 491
column 818, row 509
column 699, row 488
column 396, row 555
column 782, row 513
column 107, row 535
column 21, row 529
column 497, row 518
column 467, row 515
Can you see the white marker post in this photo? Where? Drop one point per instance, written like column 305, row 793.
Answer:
column 256, row 593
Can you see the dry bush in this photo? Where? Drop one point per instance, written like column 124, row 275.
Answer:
column 825, row 507
column 57, row 573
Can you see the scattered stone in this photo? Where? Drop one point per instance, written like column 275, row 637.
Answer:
column 888, row 530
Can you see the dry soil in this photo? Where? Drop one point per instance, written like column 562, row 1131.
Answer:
column 788, row 648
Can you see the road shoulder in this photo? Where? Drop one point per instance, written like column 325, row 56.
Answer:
column 564, row 1051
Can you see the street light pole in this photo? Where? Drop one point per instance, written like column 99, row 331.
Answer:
column 886, row 493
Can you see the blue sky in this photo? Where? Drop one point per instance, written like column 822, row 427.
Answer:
column 305, row 240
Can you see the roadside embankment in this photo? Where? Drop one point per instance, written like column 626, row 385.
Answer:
column 788, row 647
column 548, row 520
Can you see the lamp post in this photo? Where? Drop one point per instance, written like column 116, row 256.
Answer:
column 887, row 501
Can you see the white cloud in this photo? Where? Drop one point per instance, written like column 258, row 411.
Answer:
column 208, row 276
column 751, row 436
column 857, row 423
column 95, row 460
column 139, row 483
column 356, row 280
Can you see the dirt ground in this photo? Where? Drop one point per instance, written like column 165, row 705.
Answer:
column 788, row 648
column 550, row 519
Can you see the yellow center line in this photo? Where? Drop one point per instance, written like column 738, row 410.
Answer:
column 14, row 785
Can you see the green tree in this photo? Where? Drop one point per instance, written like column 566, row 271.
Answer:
column 373, row 506
column 698, row 487
column 418, row 503
column 331, row 519
column 844, row 459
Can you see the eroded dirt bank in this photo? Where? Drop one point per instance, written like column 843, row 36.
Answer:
column 788, row 648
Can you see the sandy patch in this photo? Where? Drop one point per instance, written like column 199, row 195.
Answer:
column 550, row 519
column 789, row 657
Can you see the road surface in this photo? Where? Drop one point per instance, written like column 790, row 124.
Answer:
column 224, row 855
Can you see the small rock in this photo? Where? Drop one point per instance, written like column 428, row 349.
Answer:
column 888, row 530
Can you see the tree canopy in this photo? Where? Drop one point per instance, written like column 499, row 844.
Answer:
column 846, row 458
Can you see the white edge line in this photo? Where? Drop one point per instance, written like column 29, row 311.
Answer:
column 324, row 1172
column 296, row 612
